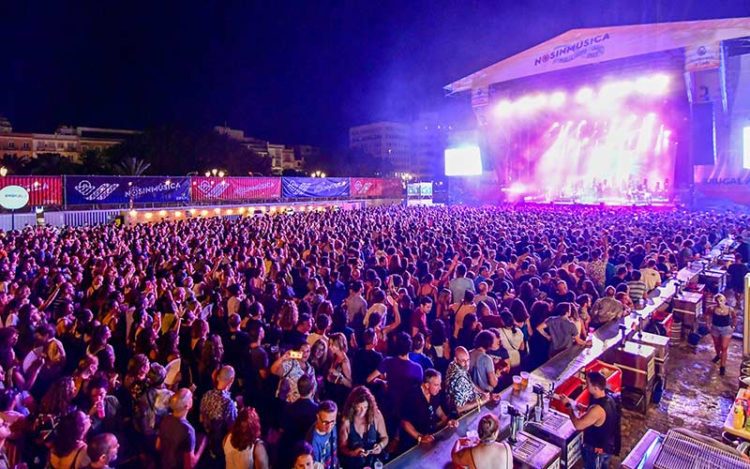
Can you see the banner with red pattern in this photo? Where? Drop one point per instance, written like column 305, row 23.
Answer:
column 234, row 189
column 43, row 190
column 376, row 187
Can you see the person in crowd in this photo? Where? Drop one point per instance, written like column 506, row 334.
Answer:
column 511, row 339
column 600, row 423
column 299, row 416
column 242, row 445
column 289, row 367
column 362, row 433
column 303, row 456
column 176, row 442
column 561, row 330
column 461, row 284
column 218, row 410
column 486, row 451
column 606, row 308
column 723, row 320
column 460, row 391
column 460, row 310
column 102, row 451
column 637, row 288
column 69, row 444
column 424, row 415
column 736, row 273
column 396, row 374
column 650, row 275
column 339, row 373
column 323, row 436
column 482, row 365
column 417, row 354
column 365, row 360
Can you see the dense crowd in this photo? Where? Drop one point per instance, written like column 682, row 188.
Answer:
column 327, row 339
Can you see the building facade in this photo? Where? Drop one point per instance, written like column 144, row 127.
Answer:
column 68, row 142
column 283, row 157
column 385, row 140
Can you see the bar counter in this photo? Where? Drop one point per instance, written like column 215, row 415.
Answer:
column 559, row 368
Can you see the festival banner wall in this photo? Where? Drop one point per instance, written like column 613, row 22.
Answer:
column 367, row 187
column 315, row 187
column 393, row 188
column 234, row 189
column 88, row 190
column 43, row 190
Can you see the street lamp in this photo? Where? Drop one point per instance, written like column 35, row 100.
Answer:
column 318, row 174
column 214, row 171
column 3, row 171
column 221, row 174
column 208, row 173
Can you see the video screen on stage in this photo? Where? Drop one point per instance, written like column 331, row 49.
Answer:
column 463, row 161
column 611, row 141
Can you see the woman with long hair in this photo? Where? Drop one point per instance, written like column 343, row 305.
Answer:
column 243, row 448
column 339, row 376
column 362, row 433
column 69, row 444
column 723, row 322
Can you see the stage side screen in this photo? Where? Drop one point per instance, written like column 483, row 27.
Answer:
column 463, row 161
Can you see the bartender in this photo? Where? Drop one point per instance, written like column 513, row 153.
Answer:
column 600, row 423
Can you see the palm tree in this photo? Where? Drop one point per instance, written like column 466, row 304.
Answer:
column 133, row 166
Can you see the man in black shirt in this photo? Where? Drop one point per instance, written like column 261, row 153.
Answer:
column 236, row 343
column 562, row 294
column 298, row 417
column 736, row 278
column 366, row 359
column 600, row 424
column 422, row 414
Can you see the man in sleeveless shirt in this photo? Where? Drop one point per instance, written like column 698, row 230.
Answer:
column 600, row 424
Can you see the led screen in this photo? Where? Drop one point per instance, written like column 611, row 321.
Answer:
column 463, row 161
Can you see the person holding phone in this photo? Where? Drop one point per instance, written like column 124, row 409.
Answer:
column 289, row 368
column 362, row 434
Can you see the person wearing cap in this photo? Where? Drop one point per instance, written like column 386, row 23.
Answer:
column 176, row 441
column 218, row 410
column 102, row 451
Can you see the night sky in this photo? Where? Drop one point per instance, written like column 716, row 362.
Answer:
column 292, row 72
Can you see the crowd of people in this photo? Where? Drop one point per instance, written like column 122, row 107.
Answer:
column 327, row 339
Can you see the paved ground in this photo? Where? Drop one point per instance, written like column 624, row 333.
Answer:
column 696, row 397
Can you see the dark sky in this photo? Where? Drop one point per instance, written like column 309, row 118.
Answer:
column 293, row 72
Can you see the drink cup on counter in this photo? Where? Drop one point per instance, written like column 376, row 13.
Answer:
column 517, row 380
column 524, row 379
column 504, row 407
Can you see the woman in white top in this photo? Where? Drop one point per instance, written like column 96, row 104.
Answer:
column 511, row 338
column 243, row 448
column 484, row 452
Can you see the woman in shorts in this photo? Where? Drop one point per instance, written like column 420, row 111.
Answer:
column 723, row 322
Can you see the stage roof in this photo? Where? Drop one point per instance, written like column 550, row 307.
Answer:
column 594, row 45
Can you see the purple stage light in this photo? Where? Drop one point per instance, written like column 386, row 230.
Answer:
column 503, row 109
column 584, row 95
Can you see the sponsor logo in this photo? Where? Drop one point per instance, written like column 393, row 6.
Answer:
column 92, row 192
column 589, row 47
column 138, row 191
column 727, row 180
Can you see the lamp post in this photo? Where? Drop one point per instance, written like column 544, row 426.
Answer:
column 3, row 171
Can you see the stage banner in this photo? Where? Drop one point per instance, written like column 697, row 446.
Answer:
column 315, row 187
column 43, row 190
column 234, row 189
column 87, row 190
column 367, row 187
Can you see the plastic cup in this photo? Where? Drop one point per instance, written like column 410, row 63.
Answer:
column 504, row 407
column 517, row 383
column 524, row 379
